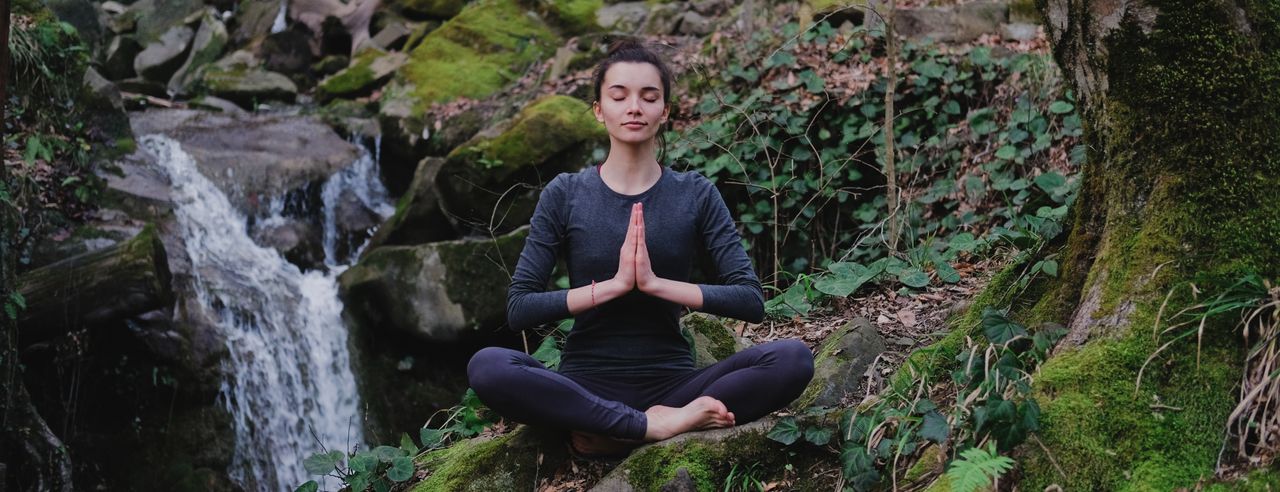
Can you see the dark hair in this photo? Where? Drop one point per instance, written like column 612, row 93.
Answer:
column 633, row 51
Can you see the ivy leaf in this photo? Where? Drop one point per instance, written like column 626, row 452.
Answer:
column 1008, row 152
column 1050, row 181
column 548, row 353
column 785, row 431
column 934, row 427
column 1050, row 267
column 364, row 461
column 309, row 486
column 431, row 437
column 998, row 328
column 818, row 435
column 401, row 469
column 913, row 277
column 963, row 241
column 323, row 463
column 407, row 445
column 1061, row 107
column 858, row 466
column 387, row 453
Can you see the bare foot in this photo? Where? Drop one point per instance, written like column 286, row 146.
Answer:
column 588, row 444
column 700, row 414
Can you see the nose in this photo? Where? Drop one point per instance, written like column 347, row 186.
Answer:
column 634, row 106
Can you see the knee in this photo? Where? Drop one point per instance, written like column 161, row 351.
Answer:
column 794, row 357
column 484, row 368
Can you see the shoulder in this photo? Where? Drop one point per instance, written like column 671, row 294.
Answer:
column 563, row 184
column 693, row 182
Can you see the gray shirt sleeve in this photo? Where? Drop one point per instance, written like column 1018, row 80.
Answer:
column 529, row 304
column 738, row 293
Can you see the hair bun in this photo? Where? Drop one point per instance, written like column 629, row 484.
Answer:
column 624, row 43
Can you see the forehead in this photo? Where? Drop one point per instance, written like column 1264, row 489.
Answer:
column 632, row 75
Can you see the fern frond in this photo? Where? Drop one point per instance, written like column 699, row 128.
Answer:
column 977, row 468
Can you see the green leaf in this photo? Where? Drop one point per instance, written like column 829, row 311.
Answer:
column 837, row 286
column 431, row 437
column 818, row 435
column 548, row 353
column 323, row 463
column 913, row 277
column 407, row 445
column 999, row 328
column 963, row 241
column 359, row 481
column 1061, row 107
column 387, row 453
column 785, row 431
column 977, row 468
column 364, row 461
column 18, row 299
column 1050, row 267
column 1050, row 181
column 1008, row 152
column 401, row 469
column 934, row 427
column 309, row 486
column 946, row 273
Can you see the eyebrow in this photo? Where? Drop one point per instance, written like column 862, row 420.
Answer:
column 642, row 89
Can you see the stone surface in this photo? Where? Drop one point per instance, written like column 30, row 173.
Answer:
column 118, row 61
column 1020, row 31
column 392, row 36
column 207, row 46
column 840, row 363
column 254, row 20
column 253, row 158
column 103, row 94
column 161, row 58
column 625, row 16
column 155, row 17
column 437, row 292
column 367, row 72
column 247, row 87
column 502, row 167
column 952, row 24
column 710, row 340
column 286, row 52
column 418, row 218
column 695, row 24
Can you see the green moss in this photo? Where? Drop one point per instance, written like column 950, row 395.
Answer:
column 1263, row 480
column 546, row 127
column 476, row 53
column 708, row 464
column 466, row 466
column 475, row 280
column 576, row 16
column 354, row 79
column 719, row 343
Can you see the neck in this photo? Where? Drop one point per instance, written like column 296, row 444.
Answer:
column 630, row 167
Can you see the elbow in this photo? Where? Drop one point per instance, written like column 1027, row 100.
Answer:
column 515, row 320
column 755, row 314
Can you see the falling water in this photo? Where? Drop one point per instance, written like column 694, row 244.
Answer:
column 292, row 391
column 361, row 181
column 280, row 22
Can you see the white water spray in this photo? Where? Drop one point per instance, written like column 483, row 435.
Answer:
column 291, row 380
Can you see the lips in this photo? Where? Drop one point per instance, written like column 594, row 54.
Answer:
column 634, row 125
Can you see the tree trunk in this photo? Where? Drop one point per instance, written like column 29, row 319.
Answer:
column 1181, row 109
column 127, row 279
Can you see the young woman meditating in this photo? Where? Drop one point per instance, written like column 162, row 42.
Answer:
column 631, row 229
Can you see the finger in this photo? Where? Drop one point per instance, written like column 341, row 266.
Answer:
column 631, row 228
column 640, row 224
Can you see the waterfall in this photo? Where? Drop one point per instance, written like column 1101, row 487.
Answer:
column 361, row 181
column 280, row 22
column 290, row 374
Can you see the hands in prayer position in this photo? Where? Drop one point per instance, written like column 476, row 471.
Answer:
column 634, row 268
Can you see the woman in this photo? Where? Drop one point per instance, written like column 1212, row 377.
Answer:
column 631, row 229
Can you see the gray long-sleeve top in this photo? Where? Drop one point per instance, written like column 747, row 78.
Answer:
column 580, row 216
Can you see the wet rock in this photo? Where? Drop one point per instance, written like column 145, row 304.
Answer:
column 840, row 363
column 625, row 16
column 118, row 61
column 367, row 72
column 296, row 240
column 437, row 292
column 286, row 52
column 255, row 19
column 253, row 158
column 207, row 46
column 418, row 218
column 511, row 160
column 218, row 104
column 247, row 87
column 160, row 59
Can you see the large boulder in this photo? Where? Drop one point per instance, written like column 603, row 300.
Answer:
column 504, row 165
column 368, row 71
column 437, row 292
column 253, row 158
column 249, row 86
column 481, row 50
column 710, row 340
column 418, row 218
column 153, row 18
column 841, row 361
column 210, row 40
column 162, row 57
column 959, row 23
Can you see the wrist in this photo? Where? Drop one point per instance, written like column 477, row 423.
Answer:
column 651, row 286
column 609, row 290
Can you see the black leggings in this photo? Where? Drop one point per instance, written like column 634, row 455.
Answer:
column 751, row 383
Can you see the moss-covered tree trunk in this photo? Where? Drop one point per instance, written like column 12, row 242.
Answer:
column 1182, row 114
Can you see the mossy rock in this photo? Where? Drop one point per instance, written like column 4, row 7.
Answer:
column 710, row 340
column 368, row 71
column 249, row 86
column 574, row 17
column 437, row 292
column 549, row 136
column 508, row 462
column 476, row 53
column 434, row 9
column 840, row 363
column 708, row 458
column 418, row 218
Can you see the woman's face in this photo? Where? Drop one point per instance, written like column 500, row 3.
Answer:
column 631, row 104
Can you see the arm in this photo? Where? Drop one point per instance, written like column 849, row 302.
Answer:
column 738, row 293
column 529, row 303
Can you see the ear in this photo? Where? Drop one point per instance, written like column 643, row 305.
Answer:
column 666, row 112
column 595, row 109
